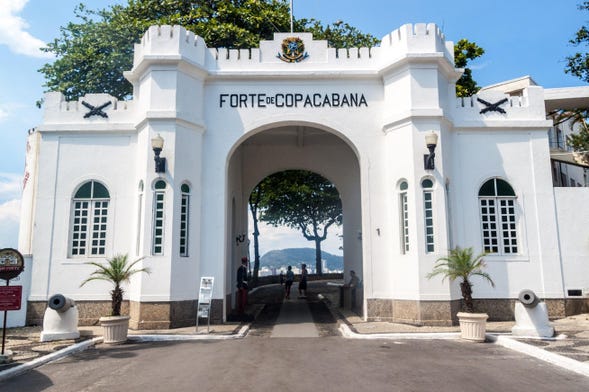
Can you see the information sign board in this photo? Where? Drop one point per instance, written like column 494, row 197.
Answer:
column 10, row 297
column 205, row 296
column 206, row 290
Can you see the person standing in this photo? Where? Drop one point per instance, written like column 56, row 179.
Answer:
column 288, row 282
column 353, row 284
column 242, row 286
column 303, row 282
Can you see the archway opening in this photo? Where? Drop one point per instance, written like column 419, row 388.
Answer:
column 291, row 148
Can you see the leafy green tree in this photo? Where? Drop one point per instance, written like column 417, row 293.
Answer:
column 304, row 201
column 578, row 64
column 465, row 51
column 117, row 270
column 462, row 264
column 92, row 53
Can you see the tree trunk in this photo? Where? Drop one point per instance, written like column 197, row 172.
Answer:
column 117, row 300
column 254, row 210
column 466, row 289
column 318, row 264
column 256, row 250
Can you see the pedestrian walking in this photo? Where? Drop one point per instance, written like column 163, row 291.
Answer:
column 288, row 282
column 303, row 281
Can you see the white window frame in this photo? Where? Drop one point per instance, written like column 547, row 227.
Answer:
column 404, row 216
column 184, row 220
column 498, row 217
column 158, row 221
column 89, row 238
column 428, row 193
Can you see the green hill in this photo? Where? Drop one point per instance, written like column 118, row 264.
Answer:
column 296, row 256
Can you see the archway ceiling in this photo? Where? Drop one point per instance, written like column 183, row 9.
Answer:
column 295, row 136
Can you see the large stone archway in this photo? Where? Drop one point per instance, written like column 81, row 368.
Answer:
column 285, row 147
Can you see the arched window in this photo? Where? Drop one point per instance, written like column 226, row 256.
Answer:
column 159, row 195
column 428, row 212
column 404, row 216
column 498, row 217
column 89, row 220
column 184, row 219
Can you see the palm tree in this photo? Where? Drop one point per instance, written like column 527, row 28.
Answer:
column 116, row 270
column 461, row 263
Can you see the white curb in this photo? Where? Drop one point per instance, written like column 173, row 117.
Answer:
column 49, row 358
column 171, row 338
column 349, row 334
column 541, row 354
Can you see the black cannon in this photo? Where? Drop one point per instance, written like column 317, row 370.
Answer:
column 60, row 303
column 528, row 298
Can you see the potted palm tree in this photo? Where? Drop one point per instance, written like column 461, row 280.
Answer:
column 116, row 270
column 462, row 264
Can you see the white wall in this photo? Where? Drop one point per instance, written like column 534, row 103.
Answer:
column 573, row 215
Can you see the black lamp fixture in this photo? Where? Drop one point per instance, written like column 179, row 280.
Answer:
column 157, row 144
column 431, row 141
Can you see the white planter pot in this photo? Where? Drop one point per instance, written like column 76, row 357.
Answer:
column 115, row 329
column 473, row 326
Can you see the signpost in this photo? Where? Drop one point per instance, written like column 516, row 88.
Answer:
column 205, row 297
column 11, row 265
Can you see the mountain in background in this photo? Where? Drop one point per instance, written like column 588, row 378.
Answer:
column 296, row 256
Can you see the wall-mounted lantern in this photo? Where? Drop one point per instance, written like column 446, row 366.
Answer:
column 431, row 141
column 157, row 144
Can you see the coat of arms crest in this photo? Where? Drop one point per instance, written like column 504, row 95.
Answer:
column 293, row 50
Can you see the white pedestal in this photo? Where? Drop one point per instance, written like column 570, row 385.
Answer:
column 60, row 326
column 532, row 321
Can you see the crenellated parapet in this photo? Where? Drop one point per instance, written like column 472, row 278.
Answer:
column 171, row 43
column 167, row 44
column 88, row 111
column 419, row 38
column 494, row 108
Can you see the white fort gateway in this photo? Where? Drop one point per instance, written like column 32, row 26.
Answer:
column 358, row 117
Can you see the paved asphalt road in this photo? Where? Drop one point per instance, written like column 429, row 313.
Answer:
column 260, row 363
column 329, row 362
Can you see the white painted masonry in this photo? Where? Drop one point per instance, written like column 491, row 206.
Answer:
column 358, row 117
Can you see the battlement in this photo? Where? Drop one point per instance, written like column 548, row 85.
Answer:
column 495, row 106
column 170, row 42
column 473, row 102
column 90, row 108
column 418, row 38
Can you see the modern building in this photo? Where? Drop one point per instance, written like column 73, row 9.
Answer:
column 418, row 170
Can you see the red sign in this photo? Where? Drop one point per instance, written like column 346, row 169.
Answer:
column 10, row 297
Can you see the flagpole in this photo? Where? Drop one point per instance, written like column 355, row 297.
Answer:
column 291, row 27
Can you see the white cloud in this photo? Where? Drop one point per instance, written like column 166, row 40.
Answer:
column 10, row 186
column 10, row 190
column 9, row 220
column 13, row 30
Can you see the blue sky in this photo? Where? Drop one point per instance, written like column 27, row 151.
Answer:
column 520, row 37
